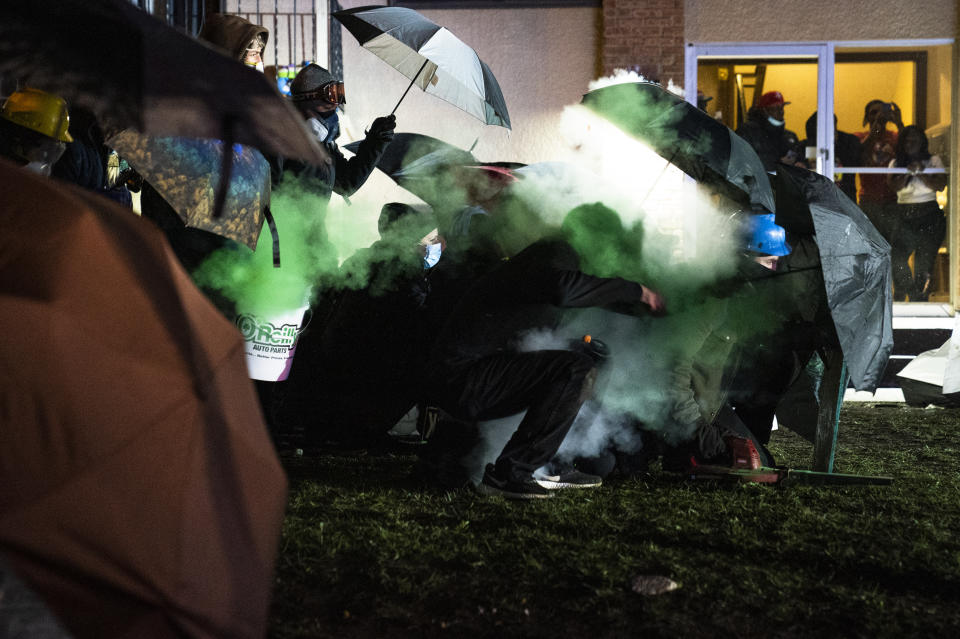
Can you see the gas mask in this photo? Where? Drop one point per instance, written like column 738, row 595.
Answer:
column 326, row 128
column 431, row 255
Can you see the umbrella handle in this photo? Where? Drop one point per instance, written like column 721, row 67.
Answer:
column 409, row 86
column 226, row 168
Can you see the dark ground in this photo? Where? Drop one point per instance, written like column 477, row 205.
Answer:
column 367, row 552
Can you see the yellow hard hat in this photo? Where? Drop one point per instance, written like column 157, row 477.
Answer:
column 39, row 111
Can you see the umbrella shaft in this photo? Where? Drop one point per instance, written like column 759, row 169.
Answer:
column 409, row 86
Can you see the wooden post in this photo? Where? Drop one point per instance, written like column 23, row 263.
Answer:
column 832, row 386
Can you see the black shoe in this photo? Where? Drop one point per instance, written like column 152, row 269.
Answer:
column 528, row 489
column 566, row 478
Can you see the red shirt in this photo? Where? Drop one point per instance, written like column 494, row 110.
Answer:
column 873, row 186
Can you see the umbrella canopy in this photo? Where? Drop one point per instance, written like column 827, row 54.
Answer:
column 140, row 494
column 133, row 71
column 185, row 172
column 855, row 260
column 422, row 164
column 431, row 56
column 678, row 131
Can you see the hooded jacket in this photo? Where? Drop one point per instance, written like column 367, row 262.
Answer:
column 231, row 33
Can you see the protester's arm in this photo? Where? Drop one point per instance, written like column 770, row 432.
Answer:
column 352, row 173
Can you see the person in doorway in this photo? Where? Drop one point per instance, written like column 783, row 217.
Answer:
column 917, row 224
column 478, row 373
column 764, row 129
column 878, row 144
column 846, row 152
column 34, row 129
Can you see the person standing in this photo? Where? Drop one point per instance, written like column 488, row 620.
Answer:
column 877, row 150
column 846, row 152
column 917, row 225
column 34, row 129
column 318, row 94
column 237, row 37
column 764, row 129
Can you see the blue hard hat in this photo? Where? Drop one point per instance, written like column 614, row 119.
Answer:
column 765, row 236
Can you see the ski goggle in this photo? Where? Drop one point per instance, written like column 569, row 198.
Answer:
column 331, row 92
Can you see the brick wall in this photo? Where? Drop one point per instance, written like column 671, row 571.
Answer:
column 645, row 36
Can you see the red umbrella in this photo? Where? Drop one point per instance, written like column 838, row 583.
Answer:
column 140, row 494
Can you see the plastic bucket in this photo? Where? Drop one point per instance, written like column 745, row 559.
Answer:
column 270, row 342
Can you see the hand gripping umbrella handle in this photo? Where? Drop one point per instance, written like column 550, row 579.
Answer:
column 410, row 85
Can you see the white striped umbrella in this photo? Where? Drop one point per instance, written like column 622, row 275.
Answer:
column 431, row 56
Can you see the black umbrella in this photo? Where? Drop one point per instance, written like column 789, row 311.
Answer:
column 424, row 165
column 133, row 71
column 678, row 131
column 855, row 260
column 431, row 56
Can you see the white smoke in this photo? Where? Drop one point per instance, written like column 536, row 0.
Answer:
column 595, row 432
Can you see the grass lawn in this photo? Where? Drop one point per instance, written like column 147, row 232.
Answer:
column 366, row 552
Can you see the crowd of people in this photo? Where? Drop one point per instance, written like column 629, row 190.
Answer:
column 902, row 206
column 451, row 313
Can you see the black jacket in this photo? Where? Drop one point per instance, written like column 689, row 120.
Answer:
column 343, row 176
column 524, row 293
column 770, row 142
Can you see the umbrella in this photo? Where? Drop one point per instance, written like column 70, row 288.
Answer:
column 855, row 261
column 140, row 494
column 678, row 131
column 184, row 172
column 423, row 165
column 924, row 379
column 431, row 56
column 133, row 71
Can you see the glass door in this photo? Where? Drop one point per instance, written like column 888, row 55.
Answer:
column 730, row 80
column 905, row 85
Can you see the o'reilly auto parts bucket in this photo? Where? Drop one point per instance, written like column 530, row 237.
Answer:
column 270, row 342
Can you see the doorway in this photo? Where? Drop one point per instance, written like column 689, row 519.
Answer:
column 839, row 78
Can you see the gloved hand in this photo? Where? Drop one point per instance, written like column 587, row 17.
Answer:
column 382, row 128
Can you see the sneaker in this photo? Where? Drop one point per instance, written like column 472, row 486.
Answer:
column 529, row 489
column 571, row 478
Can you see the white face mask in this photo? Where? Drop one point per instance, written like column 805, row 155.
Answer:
column 774, row 121
column 319, row 128
column 41, row 168
column 432, row 255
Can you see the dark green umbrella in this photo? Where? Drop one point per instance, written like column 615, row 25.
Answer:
column 855, row 261
column 703, row 148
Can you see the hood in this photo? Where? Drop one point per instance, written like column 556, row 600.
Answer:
column 231, row 33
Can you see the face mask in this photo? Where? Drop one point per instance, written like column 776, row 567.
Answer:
column 258, row 66
column 774, row 121
column 41, row 168
column 326, row 128
column 432, row 256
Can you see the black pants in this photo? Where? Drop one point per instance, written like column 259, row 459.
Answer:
column 918, row 229
column 550, row 385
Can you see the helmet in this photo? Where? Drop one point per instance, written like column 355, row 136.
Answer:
column 314, row 85
column 39, row 111
column 765, row 236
